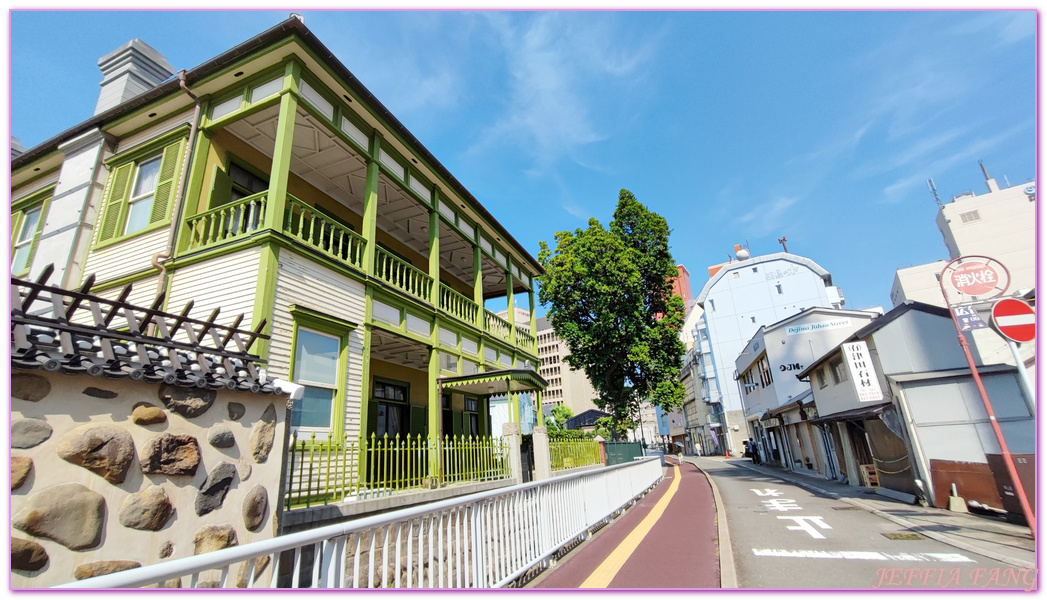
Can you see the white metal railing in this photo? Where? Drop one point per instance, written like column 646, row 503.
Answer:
column 483, row 540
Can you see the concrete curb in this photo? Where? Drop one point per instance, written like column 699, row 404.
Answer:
column 728, row 574
column 922, row 530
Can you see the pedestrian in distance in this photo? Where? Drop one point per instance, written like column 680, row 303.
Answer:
column 754, row 451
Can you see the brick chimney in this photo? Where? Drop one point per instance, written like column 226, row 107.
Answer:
column 129, row 71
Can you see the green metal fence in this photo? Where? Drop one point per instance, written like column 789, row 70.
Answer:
column 623, row 452
column 321, row 471
column 568, row 454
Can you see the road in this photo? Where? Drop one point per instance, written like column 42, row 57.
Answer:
column 784, row 536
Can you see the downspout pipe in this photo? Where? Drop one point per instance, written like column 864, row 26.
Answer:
column 161, row 257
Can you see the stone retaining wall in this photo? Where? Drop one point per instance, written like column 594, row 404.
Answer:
column 108, row 475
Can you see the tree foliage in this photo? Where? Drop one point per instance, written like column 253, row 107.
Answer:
column 610, row 299
column 558, row 417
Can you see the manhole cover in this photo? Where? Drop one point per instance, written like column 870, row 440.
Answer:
column 903, row 536
column 845, row 508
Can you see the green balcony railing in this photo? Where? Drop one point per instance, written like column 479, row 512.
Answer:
column 401, row 275
column 568, row 454
column 332, row 470
column 226, row 222
column 496, row 326
column 457, row 305
column 524, row 339
column 324, row 234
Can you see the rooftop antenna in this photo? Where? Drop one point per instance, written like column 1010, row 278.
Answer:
column 984, row 170
column 934, row 192
column 782, row 241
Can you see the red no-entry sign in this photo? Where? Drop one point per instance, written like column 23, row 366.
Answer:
column 1015, row 319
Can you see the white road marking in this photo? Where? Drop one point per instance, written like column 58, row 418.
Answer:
column 782, row 504
column 766, row 492
column 804, row 524
column 860, row 555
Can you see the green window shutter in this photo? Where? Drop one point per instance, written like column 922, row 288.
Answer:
column 221, row 188
column 119, row 186
column 485, row 417
column 419, row 422
column 166, row 181
column 372, row 419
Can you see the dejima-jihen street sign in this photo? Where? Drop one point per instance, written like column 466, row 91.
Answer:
column 1014, row 319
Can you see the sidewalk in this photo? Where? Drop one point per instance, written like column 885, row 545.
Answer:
column 993, row 538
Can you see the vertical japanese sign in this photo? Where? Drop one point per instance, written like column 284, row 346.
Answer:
column 862, row 372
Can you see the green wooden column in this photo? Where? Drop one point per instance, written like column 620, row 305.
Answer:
column 434, row 413
column 365, row 368
column 513, row 402
column 538, row 404
column 511, row 312
column 534, row 322
column 478, row 288
column 370, row 216
column 280, row 173
column 434, row 253
column 194, row 191
column 265, row 296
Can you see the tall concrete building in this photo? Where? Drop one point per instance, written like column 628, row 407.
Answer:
column 567, row 386
column 1000, row 224
column 739, row 297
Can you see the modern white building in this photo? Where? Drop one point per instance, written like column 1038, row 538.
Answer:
column 567, row 386
column 739, row 297
column 999, row 224
column 778, row 406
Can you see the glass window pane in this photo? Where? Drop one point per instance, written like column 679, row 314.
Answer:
column 29, row 225
column 314, row 409
column 390, row 420
column 20, row 259
column 145, row 183
column 267, row 89
column 138, row 215
column 316, row 358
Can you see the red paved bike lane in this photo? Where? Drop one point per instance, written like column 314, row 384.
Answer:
column 680, row 550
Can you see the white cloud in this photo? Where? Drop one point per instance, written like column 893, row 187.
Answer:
column 768, row 216
column 559, row 63
column 1008, row 26
column 969, row 152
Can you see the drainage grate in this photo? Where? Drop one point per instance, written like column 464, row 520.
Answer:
column 903, row 536
column 845, row 508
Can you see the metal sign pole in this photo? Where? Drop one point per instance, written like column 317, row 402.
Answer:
column 1007, row 458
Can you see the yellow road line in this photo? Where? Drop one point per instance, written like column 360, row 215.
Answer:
column 602, row 576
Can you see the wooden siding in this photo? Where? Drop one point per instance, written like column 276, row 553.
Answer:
column 125, row 258
column 146, row 135
column 227, row 281
column 306, row 284
column 143, row 293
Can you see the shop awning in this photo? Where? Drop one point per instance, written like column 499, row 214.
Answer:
column 495, row 382
column 856, row 414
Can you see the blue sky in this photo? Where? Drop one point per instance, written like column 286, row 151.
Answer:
column 736, row 126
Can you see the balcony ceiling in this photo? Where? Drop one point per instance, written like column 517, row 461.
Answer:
column 332, row 166
column 399, row 351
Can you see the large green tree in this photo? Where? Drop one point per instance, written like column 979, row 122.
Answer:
column 609, row 293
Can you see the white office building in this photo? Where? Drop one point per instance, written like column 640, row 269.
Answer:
column 739, row 297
